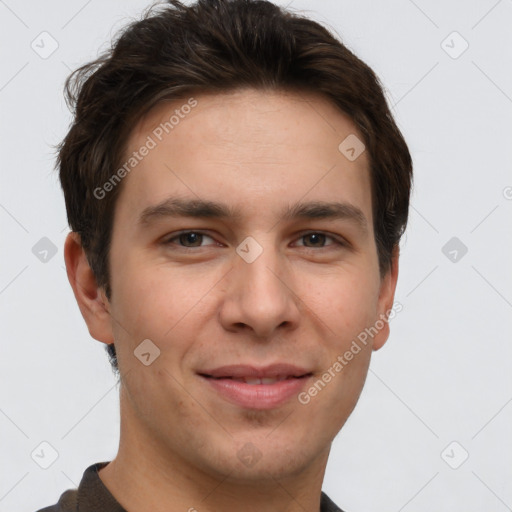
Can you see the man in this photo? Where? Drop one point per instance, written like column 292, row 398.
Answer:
column 237, row 189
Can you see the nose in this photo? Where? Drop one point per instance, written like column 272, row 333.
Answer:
column 259, row 297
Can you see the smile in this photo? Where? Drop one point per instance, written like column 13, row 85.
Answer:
column 252, row 388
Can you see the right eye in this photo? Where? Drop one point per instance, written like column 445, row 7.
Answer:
column 188, row 239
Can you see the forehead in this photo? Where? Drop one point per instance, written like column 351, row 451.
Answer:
column 248, row 146
column 249, row 117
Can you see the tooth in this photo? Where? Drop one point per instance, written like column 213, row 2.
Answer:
column 249, row 380
column 268, row 380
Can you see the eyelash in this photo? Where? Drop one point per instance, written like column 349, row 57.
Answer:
column 335, row 239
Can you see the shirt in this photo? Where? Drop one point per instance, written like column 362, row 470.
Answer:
column 93, row 496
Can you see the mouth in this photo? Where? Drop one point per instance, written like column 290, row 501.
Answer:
column 256, row 388
column 252, row 381
column 276, row 371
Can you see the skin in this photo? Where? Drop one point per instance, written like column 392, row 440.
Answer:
column 302, row 301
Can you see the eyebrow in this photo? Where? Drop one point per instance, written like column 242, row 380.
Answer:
column 312, row 210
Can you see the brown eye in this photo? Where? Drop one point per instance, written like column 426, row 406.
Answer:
column 319, row 240
column 190, row 239
column 315, row 239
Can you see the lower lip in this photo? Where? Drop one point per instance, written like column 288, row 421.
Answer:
column 257, row 396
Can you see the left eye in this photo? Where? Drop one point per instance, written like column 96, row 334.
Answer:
column 317, row 240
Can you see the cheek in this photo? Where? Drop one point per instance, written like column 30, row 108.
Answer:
column 345, row 302
column 152, row 299
column 161, row 303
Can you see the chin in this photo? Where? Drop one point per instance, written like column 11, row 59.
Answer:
column 264, row 461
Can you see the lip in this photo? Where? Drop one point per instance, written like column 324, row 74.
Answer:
column 245, row 370
column 256, row 396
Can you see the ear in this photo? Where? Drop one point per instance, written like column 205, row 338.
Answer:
column 91, row 300
column 386, row 300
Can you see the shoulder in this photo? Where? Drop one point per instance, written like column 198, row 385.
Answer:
column 68, row 502
column 327, row 505
column 90, row 492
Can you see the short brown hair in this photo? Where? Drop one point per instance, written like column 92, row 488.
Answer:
column 218, row 46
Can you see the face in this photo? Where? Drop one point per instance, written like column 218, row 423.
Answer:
column 243, row 238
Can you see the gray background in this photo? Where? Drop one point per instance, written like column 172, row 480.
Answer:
column 444, row 375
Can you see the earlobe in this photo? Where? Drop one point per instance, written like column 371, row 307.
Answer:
column 91, row 299
column 386, row 301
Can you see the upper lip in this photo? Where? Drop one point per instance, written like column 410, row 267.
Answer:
column 245, row 370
